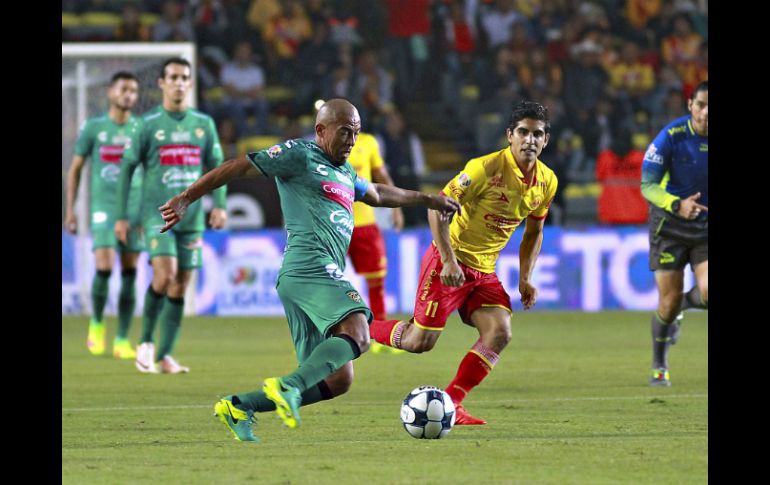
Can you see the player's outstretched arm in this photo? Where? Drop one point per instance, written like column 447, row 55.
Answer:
column 531, row 242
column 380, row 195
column 174, row 209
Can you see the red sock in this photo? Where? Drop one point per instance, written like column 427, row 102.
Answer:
column 381, row 330
column 377, row 297
column 473, row 369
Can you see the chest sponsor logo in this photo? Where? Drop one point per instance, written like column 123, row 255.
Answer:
column 180, row 136
column 652, row 156
column 180, row 155
column 496, row 181
column 110, row 153
column 501, row 224
column 339, row 193
column 110, row 174
column 464, row 180
column 274, row 151
column 175, row 178
column 343, row 222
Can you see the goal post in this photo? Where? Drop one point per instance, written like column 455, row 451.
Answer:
column 86, row 72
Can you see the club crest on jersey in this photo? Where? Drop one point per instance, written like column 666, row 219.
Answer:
column 199, row 132
column 274, row 151
column 464, row 180
column 353, row 295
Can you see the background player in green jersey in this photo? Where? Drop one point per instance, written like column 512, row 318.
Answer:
column 174, row 145
column 328, row 320
column 101, row 140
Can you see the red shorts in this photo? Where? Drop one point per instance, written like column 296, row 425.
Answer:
column 435, row 302
column 367, row 252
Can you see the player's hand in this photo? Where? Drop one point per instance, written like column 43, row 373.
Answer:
column 398, row 219
column 445, row 206
column 71, row 223
column 121, row 230
column 689, row 209
column 218, row 218
column 173, row 211
column 528, row 294
column 452, row 274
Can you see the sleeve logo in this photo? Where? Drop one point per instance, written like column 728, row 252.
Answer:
column 274, row 151
column 652, row 155
column 464, row 180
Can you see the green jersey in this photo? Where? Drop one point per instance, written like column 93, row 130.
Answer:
column 102, row 141
column 173, row 148
column 317, row 198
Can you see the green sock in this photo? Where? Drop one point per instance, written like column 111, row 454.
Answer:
column 693, row 299
column 257, row 402
column 326, row 358
column 661, row 341
column 153, row 303
column 99, row 290
column 171, row 320
column 126, row 302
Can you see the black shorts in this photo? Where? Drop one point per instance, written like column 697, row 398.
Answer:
column 675, row 242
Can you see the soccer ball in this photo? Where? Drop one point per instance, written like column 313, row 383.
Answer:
column 428, row 412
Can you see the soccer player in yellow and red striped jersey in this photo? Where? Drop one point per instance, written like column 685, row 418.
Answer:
column 367, row 248
column 497, row 192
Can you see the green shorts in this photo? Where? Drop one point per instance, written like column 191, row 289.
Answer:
column 185, row 246
column 103, row 233
column 314, row 305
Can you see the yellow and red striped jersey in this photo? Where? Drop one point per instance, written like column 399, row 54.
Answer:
column 495, row 199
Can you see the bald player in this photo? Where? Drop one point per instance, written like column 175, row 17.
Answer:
column 328, row 319
column 498, row 192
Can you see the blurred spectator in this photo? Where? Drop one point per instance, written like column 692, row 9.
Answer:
column 632, row 81
column 673, row 107
column 228, row 137
column 639, row 12
column 460, row 42
column 548, row 28
column 683, row 44
column 244, row 84
column 131, row 28
column 539, row 76
column 173, row 26
column 373, row 90
column 315, row 60
column 344, row 28
column 261, row 12
column 283, row 35
column 619, row 170
column 403, row 154
column 695, row 71
column 584, row 79
column 497, row 23
column 408, row 32
column 209, row 20
column 499, row 86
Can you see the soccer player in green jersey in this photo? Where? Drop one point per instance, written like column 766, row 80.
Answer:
column 101, row 140
column 329, row 321
column 174, row 146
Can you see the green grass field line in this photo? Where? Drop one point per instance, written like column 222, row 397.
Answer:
column 568, row 403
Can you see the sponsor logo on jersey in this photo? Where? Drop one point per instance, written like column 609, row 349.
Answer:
column 180, row 155
column 99, row 217
column 199, row 132
column 175, row 177
column 502, row 198
column 343, row 221
column 274, row 151
column 110, row 153
column 353, row 295
column 180, row 136
column 666, row 258
column 334, row 271
column 344, row 178
column 320, row 169
column 110, row 174
column 290, row 143
column 652, row 156
column 160, row 135
column 464, row 180
column 704, row 147
column 677, row 129
column 120, row 139
column 501, row 224
column 339, row 193
column 426, row 286
column 102, row 136
column 456, row 191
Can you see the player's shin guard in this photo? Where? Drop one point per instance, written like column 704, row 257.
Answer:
column 694, row 299
column 377, row 297
column 472, row 370
column 326, row 358
column 99, row 292
column 257, row 402
column 126, row 302
column 153, row 304
column 171, row 321
column 387, row 332
column 661, row 341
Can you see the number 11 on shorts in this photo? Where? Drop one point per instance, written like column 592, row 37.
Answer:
column 428, row 311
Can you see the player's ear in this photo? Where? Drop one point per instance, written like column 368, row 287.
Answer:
column 509, row 134
column 546, row 139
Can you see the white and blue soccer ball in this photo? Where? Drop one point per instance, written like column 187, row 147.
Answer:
column 428, row 412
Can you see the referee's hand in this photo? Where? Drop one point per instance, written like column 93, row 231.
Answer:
column 689, row 209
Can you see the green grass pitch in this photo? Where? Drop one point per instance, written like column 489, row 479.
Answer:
column 568, row 403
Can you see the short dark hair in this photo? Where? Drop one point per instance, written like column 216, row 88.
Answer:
column 702, row 86
column 122, row 75
column 532, row 110
column 174, row 60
